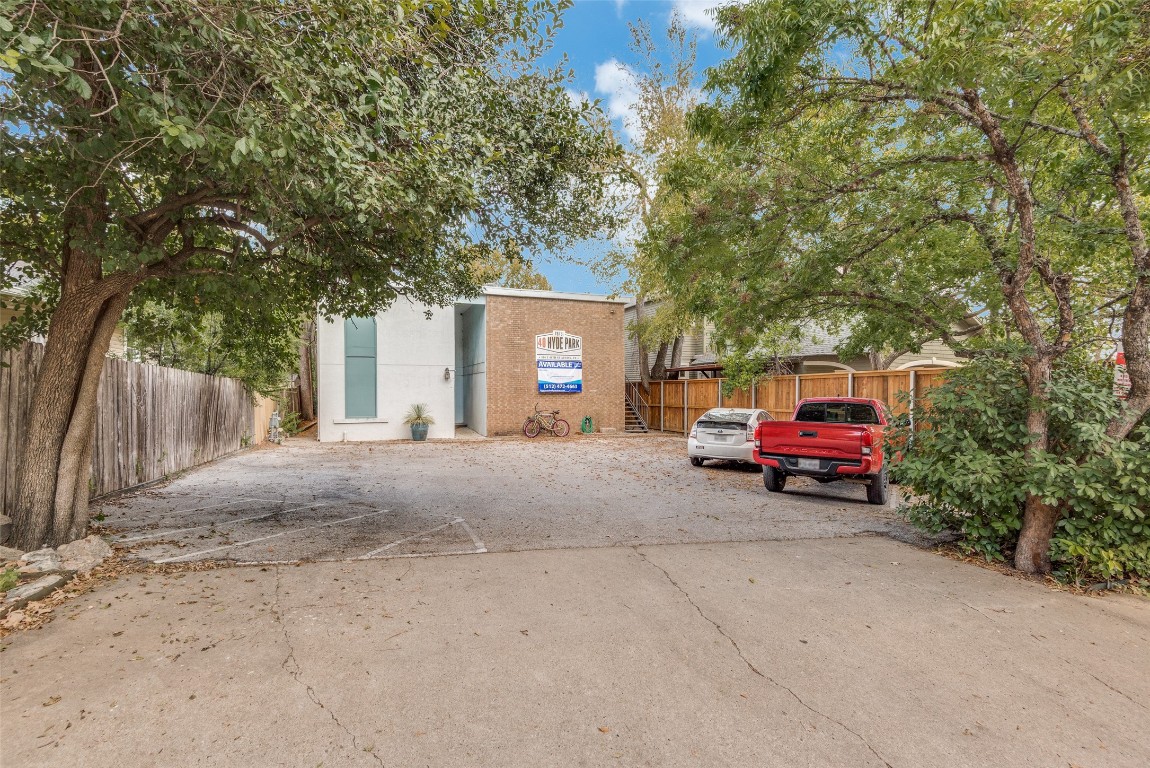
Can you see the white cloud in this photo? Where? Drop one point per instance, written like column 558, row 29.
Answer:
column 619, row 84
column 699, row 13
column 619, row 7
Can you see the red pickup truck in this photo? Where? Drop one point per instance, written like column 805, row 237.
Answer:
column 828, row 438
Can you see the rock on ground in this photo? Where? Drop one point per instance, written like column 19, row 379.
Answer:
column 9, row 555
column 85, row 554
column 25, row 593
column 43, row 560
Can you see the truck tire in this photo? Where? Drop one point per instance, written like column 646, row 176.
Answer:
column 878, row 490
column 774, row 480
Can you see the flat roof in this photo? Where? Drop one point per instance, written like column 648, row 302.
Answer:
column 528, row 293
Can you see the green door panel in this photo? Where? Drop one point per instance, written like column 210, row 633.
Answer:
column 359, row 368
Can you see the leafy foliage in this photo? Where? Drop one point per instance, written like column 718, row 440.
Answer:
column 335, row 153
column 969, row 471
column 847, row 175
column 418, row 414
column 9, row 578
column 506, row 268
column 256, row 343
column 290, row 423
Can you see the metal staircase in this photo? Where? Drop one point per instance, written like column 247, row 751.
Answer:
column 633, row 419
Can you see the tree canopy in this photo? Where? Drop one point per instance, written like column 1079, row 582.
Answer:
column 507, row 268
column 341, row 152
column 906, row 169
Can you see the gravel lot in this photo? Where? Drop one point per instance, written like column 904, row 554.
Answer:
column 307, row 501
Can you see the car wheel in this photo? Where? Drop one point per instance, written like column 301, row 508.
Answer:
column 878, row 491
column 774, row 480
column 696, row 461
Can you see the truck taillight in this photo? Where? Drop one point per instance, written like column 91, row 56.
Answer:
column 867, row 443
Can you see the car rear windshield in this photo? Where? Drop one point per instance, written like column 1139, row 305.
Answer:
column 724, row 419
column 837, row 413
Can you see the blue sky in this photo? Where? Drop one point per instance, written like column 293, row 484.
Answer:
column 595, row 39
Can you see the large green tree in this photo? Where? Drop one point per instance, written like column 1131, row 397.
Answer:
column 665, row 78
column 903, row 168
column 236, row 340
column 330, row 153
column 506, row 267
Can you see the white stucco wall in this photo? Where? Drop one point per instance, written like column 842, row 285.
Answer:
column 412, row 352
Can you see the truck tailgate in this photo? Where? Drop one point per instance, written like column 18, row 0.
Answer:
column 814, row 439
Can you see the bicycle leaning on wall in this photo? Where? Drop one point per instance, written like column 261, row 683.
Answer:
column 545, row 421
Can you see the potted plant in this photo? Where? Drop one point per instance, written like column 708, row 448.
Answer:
column 419, row 420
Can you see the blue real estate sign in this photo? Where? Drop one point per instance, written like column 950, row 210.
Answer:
column 559, row 360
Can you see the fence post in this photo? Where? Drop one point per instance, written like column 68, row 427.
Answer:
column 850, row 384
column 720, row 405
column 686, row 384
column 662, row 406
column 798, row 391
column 913, row 387
column 754, row 387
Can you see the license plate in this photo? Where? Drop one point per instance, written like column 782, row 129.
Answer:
column 809, row 464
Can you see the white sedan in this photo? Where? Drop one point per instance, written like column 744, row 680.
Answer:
column 725, row 433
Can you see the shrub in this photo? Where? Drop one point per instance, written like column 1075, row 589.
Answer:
column 290, row 423
column 9, row 578
column 967, row 470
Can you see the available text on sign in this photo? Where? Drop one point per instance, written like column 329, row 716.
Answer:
column 559, row 359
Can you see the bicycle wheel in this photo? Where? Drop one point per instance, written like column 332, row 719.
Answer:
column 561, row 428
column 531, row 427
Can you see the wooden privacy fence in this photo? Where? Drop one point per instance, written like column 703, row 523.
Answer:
column 150, row 421
column 672, row 406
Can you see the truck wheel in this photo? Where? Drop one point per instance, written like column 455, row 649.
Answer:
column 773, row 479
column 696, row 461
column 878, row 491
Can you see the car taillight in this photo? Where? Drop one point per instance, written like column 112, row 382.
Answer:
column 695, row 429
column 867, row 443
column 750, row 434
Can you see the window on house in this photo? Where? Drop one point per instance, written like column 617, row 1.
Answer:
column 359, row 367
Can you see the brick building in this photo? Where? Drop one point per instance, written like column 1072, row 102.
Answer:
column 483, row 363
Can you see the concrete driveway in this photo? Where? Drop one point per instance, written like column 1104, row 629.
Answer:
column 307, row 501
column 820, row 648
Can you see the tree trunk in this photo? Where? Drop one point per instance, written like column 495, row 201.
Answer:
column 53, row 476
column 1032, row 554
column 677, row 351
column 306, row 396
column 641, row 348
column 659, row 367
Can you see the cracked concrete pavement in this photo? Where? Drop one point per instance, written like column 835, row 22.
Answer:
column 825, row 652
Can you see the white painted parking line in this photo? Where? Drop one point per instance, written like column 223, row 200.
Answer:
column 240, row 500
column 266, row 538
column 480, row 547
column 161, row 534
column 397, row 542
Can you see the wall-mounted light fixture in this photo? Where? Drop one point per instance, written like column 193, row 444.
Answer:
column 447, row 374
